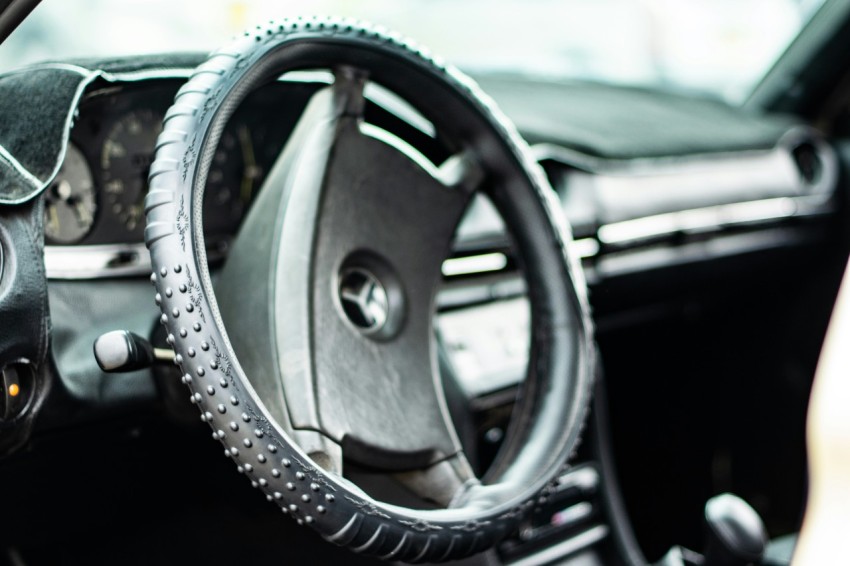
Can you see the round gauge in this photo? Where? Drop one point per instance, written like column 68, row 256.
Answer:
column 69, row 202
column 232, row 181
column 125, row 161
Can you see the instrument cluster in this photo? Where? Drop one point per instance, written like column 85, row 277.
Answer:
column 98, row 194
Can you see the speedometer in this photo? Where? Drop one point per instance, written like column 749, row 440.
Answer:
column 125, row 161
column 69, row 202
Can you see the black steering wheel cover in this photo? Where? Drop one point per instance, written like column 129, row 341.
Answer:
column 552, row 406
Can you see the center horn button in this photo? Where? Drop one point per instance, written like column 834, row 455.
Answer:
column 370, row 296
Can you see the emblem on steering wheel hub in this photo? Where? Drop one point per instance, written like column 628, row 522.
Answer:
column 364, row 299
column 369, row 295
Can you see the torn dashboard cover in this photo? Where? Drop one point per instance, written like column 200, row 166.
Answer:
column 38, row 105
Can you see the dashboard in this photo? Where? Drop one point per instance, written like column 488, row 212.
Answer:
column 627, row 215
column 94, row 217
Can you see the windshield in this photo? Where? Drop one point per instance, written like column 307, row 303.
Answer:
column 718, row 47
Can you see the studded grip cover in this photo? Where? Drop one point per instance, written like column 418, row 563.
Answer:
column 217, row 385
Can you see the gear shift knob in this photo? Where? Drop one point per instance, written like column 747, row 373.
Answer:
column 122, row 351
column 735, row 534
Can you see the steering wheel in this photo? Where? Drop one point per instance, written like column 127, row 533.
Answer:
column 328, row 293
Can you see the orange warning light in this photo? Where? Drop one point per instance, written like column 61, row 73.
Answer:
column 14, row 390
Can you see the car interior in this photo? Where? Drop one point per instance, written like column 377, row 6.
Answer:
column 426, row 314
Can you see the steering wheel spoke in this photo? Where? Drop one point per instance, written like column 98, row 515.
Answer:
column 440, row 483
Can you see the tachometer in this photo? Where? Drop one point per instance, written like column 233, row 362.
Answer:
column 233, row 178
column 70, row 204
column 125, row 161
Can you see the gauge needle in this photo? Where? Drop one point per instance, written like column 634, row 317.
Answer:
column 83, row 215
column 251, row 169
column 53, row 219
